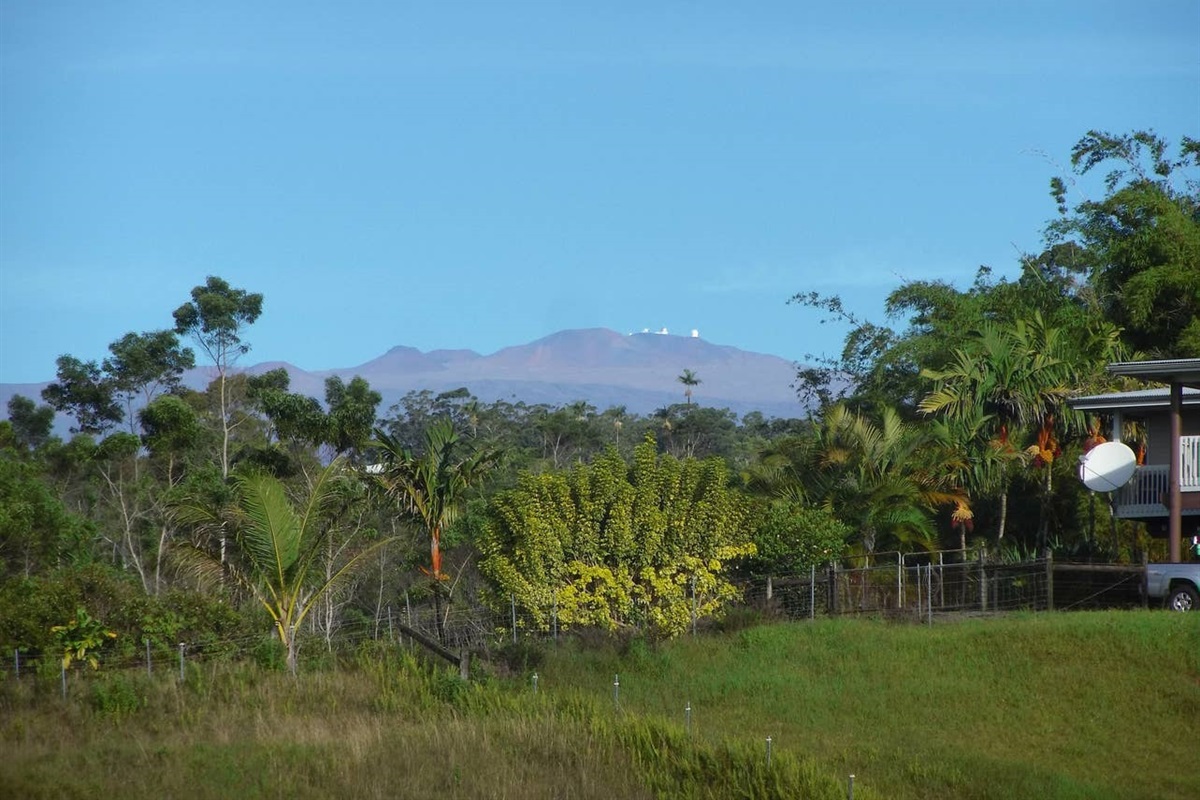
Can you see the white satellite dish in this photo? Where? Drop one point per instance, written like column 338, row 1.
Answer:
column 1107, row 467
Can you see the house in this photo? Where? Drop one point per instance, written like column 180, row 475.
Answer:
column 1164, row 492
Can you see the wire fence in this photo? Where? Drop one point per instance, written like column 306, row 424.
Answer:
column 921, row 588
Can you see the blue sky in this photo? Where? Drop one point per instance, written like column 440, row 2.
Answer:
column 478, row 175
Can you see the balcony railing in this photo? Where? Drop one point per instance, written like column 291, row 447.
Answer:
column 1146, row 493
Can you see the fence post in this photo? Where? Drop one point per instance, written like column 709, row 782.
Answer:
column 513, row 600
column 812, row 591
column 1049, row 581
column 833, row 592
column 919, row 602
column 149, row 666
column 929, row 588
column 900, row 582
column 554, row 618
column 617, row 691
column 535, row 681
column 983, row 604
column 768, row 752
column 64, row 680
column 391, row 634
column 181, row 662
column 687, row 718
column 464, row 664
column 770, row 589
column 850, row 788
column 17, row 661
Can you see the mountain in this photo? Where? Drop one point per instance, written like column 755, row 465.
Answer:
column 603, row 367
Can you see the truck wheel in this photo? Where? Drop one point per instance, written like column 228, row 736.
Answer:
column 1183, row 598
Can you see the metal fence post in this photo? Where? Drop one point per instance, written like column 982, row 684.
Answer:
column 687, row 718
column 17, row 661
column 513, row 600
column 181, row 645
column 149, row 665
column 929, row 590
column 768, row 752
column 983, row 604
column 616, row 691
column 812, row 591
column 64, row 680
column 554, row 618
column 850, row 788
column 1049, row 581
column 900, row 581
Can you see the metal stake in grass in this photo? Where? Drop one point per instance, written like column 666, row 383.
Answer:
column 535, row 680
column 768, row 752
column 850, row 789
column 687, row 718
column 181, row 645
column 616, row 691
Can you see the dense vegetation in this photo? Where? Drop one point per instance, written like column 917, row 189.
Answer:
column 246, row 509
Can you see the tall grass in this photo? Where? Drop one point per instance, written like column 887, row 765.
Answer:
column 1059, row 706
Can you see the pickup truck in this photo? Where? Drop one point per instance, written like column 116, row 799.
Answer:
column 1178, row 585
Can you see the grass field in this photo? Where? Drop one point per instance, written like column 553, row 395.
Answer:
column 1089, row 705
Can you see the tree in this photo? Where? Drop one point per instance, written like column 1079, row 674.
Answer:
column 85, row 393
column 142, row 365
column 279, row 547
column 351, row 417
column 430, row 488
column 1008, row 384
column 688, row 379
column 215, row 319
column 611, row 545
column 31, row 423
column 884, row 479
column 1140, row 244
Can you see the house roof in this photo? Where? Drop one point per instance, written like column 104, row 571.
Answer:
column 1145, row 399
column 1185, row 371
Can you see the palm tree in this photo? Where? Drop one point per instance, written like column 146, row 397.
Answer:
column 430, row 487
column 1008, row 383
column 688, row 379
column 883, row 479
column 278, row 547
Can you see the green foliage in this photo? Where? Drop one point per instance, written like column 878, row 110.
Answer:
column 279, row 546
column 612, row 546
column 85, row 393
column 80, row 637
column 118, row 694
column 36, row 532
column 31, row 424
column 1140, row 242
column 792, row 537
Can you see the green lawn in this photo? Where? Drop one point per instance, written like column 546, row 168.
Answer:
column 1088, row 705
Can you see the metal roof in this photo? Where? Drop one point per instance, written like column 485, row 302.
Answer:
column 1144, row 399
column 1173, row 370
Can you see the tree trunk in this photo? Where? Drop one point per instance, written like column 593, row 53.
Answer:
column 1003, row 515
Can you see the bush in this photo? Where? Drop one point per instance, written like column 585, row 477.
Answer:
column 117, row 694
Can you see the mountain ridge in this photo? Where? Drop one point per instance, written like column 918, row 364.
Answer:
column 603, row 367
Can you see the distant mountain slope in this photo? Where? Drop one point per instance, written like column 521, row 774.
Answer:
column 639, row 371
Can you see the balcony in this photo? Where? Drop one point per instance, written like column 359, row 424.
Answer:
column 1146, row 494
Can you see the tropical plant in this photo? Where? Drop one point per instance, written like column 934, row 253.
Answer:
column 80, row 638
column 609, row 545
column 689, row 380
column 280, row 547
column 431, row 487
